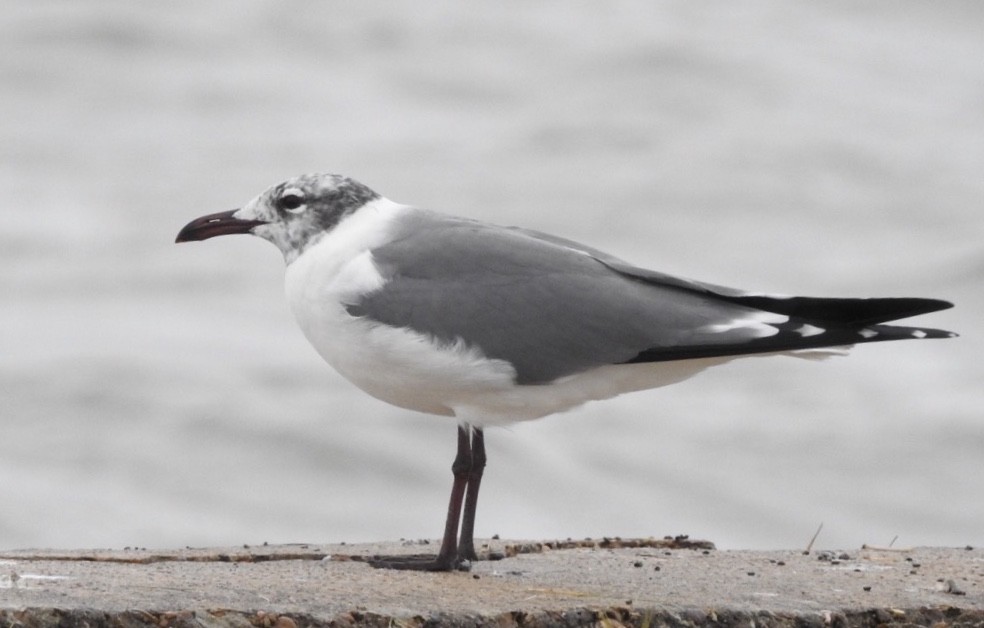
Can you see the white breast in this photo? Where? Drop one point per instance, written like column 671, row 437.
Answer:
column 399, row 366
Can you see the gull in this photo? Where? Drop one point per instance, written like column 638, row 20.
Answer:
column 491, row 325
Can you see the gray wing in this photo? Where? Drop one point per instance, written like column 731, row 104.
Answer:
column 552, row 307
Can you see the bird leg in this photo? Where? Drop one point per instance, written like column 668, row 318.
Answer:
column 465, row 472
column 466, row 546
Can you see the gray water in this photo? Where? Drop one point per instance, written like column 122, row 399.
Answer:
column 161, row 395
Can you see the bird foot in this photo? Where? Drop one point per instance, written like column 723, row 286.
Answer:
column 420, row 562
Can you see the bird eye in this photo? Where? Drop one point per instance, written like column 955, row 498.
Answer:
column 291, row 202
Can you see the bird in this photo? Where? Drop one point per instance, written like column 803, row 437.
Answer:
column 491, row 325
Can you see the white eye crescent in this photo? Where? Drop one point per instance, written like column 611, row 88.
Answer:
column 292, row 200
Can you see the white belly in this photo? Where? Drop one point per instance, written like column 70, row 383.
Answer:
column 411, row 370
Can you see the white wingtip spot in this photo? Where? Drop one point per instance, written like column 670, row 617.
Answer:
column 757, row 324
column 809, row 330
column 868, row 333
column 918, row 334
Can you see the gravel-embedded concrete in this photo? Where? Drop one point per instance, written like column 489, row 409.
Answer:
column 647, row 583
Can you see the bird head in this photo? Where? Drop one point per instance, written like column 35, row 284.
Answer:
column 293, row 215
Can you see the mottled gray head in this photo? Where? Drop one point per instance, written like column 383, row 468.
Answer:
column 293, row 214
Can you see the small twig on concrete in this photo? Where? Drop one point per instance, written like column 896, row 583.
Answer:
column 809, row 545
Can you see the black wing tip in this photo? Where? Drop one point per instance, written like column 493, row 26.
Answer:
column 790, row 340
column 934, row 305
column 908, row 307
column 858, row 312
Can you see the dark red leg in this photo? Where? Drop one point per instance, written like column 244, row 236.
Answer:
column 466, row 546
column 447, row 558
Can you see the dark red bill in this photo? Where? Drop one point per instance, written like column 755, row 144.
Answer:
column 222, row 223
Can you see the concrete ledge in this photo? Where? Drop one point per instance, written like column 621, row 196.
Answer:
column 612, row 582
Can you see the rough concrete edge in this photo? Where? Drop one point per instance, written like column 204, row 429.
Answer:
column 614, row 616
column 312, row 551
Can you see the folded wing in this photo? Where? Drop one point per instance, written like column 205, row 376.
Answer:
column 552, row 307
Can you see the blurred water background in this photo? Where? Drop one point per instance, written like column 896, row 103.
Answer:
column 160, row 395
